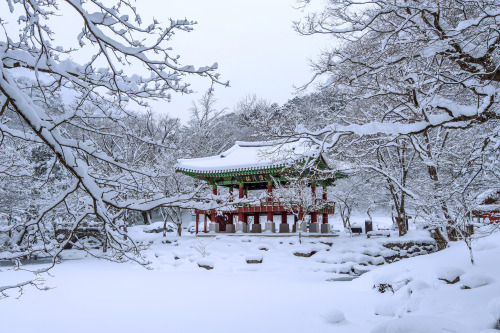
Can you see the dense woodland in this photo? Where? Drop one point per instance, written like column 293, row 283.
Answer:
column 406, row 102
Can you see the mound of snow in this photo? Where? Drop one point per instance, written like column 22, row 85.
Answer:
column 206, row 263
column 474, row 280
column 254, row 258
column 334, row 316
column 388, row 307
column 449, row 274
column 494, row 308
column 485, row 246
column 417, row 285
column 419, row 324
column 391, row 280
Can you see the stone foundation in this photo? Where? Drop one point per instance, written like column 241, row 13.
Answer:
column 314, row 227
column 256, row 228
column 241, row 228
column 284, row 228
column 270, row 227
column 213, row 227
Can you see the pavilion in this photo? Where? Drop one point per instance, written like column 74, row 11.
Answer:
column 260, row 166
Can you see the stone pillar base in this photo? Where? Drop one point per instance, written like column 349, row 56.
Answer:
column 325, row 228
column 270, row 227
column 213, row 227
column 241, row 227
column 303, row 227
column 314, row 227
column 230, row 229
column 284, row 228
column 256, row 228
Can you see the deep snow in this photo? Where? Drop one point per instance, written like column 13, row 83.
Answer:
column 284, row 293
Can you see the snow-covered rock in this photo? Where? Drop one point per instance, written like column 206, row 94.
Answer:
column 254, row 258
column 334, row 316
column 474, row 280
column 206, row 263
column 450, row 275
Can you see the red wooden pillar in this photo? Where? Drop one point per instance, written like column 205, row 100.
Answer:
column 284, row 218
column 197, row 221
column 314, row 215
column 241, row 192
column 214, row 189
column 325, row 215
column 230, row 193
column 205, row 223
column 270, row 202
column 256, row 218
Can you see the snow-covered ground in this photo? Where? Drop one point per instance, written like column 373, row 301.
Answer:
column 284, row 293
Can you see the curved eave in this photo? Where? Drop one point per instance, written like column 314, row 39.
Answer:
column 230, row 172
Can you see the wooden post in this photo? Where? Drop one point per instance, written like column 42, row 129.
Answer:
column 269, row 202
column 205, row 223
column 325, row 215
column 256, row 218
column 241, row 216
column 214, row 189
column 284, row 218
column 314, row 215
column 197, row 221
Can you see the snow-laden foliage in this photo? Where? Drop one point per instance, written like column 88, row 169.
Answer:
column 69, row 148
column 420, row 82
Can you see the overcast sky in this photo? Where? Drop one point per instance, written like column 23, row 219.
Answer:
column 252, row 41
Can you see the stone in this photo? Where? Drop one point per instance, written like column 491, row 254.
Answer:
column 213, row 227
column 314, row 227
column 230, row 228
column 325, row 228
column 241, row 228
column 270, row 227
column 254, row 261
column 305, row 254
column 256, row 228
column 457, row 279
column 284, row 228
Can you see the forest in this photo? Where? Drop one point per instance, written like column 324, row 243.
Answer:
column 405, row 102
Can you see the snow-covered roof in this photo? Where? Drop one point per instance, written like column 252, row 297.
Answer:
column 489, row 200
column 252, row 156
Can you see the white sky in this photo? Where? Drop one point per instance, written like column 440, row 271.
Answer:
column 253, row 42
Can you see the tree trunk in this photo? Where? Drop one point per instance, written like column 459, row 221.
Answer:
column 146, row 216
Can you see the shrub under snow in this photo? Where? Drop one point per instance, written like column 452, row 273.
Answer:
column 334, row 316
